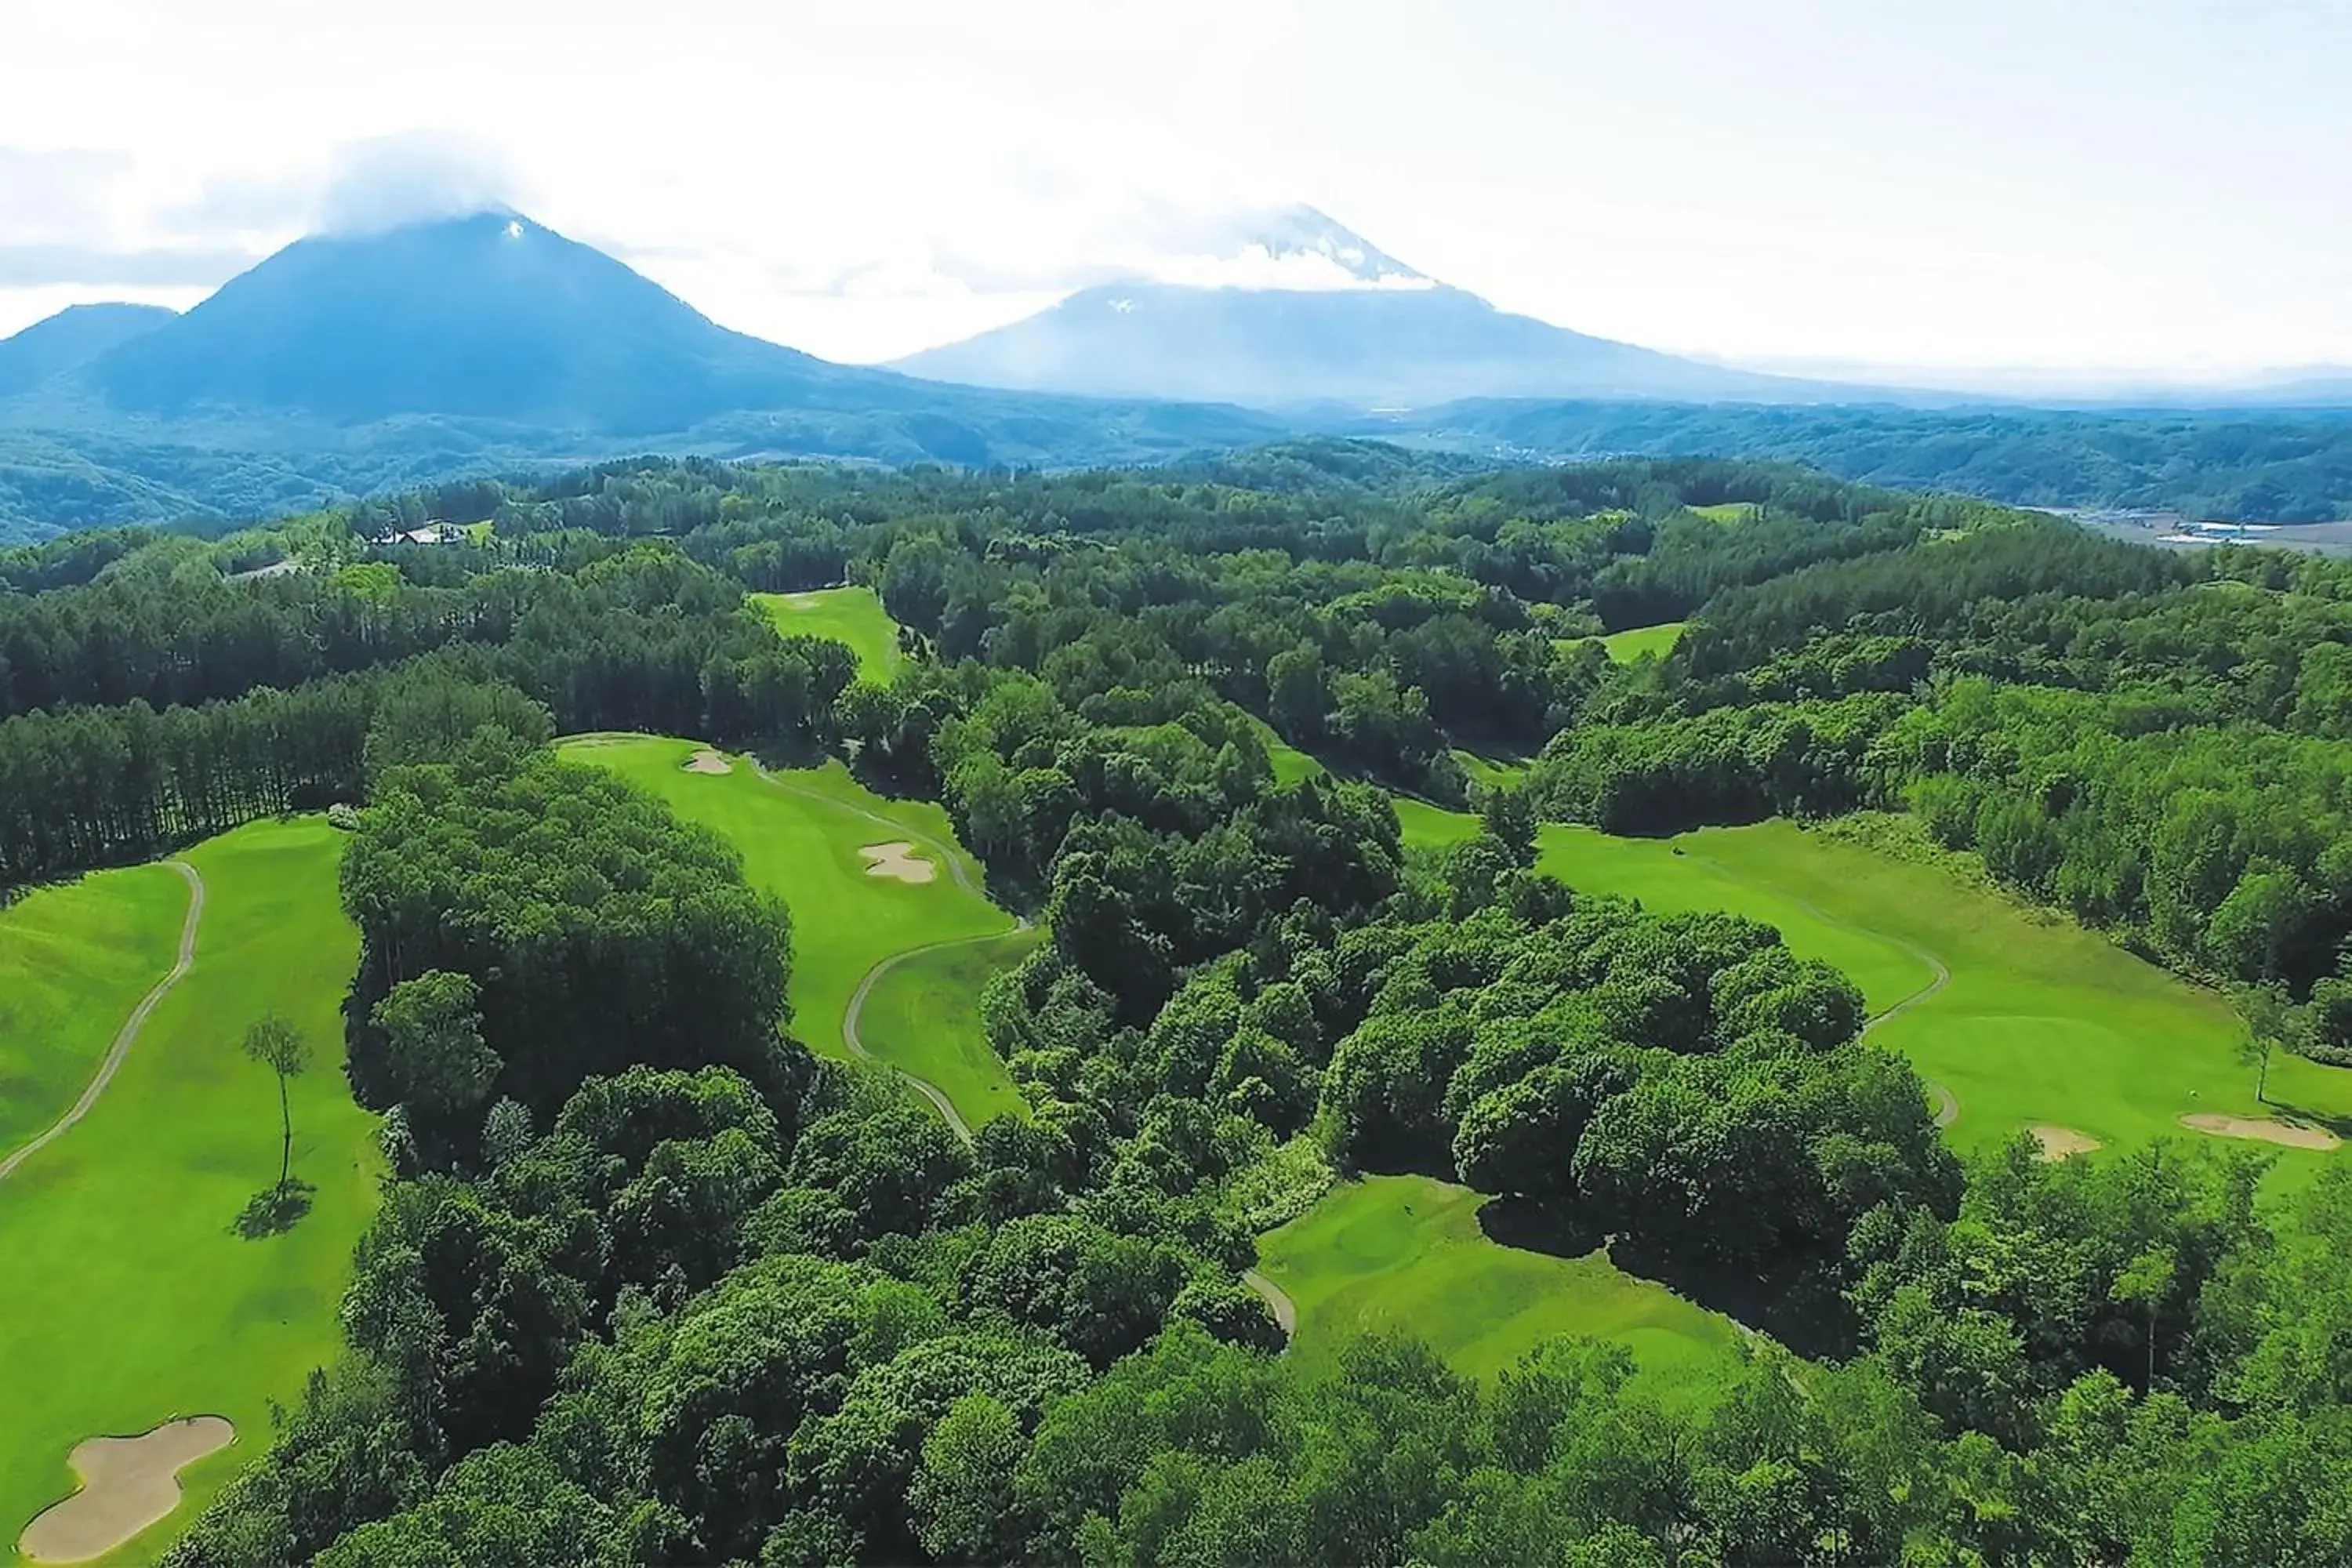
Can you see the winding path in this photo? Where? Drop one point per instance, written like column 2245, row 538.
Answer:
column 1948, row 1104
column 950, row 857
column 1277, row 1300
column 128, row 1035
column 855, row 1011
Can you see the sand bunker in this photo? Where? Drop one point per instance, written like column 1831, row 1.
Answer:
column 706, row 761
column 127, row 1484
column 2291, row 1134
column 897, row 860
column 2057, row 1143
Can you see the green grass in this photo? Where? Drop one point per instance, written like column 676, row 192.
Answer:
column 2041, row 1021
column 129, row 1299
column 1644, row 642
column 931, row 1001
column 74, row 962
column 1725, row 512
column 1407, row 1253
column 800, row 839
column 852, row 616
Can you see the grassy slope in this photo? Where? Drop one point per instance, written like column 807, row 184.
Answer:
column 130, row 1298
column 1407, row 1252
column 800, row 839
column 74, row 962
column 852, row 616
column 1644, row 642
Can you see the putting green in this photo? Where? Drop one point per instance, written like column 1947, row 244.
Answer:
column 2040, row 1022
column 799, row 833
column 74, row 962
column 1407, row 1253
column 852, row 616
column 130, row 1298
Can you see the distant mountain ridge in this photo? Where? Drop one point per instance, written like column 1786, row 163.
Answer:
column 71, row 339
column 1298, row 310
column 479, row 344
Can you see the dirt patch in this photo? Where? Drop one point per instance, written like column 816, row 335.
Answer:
column 2289, row 1134
column 127, row 1484
column 897, row 861
column 2057, row 1143
column 706, row 761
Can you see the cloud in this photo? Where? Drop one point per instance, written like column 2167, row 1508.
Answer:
column 414, row 176
column 57, row 195
column 40, row 265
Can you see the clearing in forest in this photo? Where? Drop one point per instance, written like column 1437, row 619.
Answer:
column 851, row 616
column 2039, row 1023
column 1644, row 642
column 803, row 834
column 131, row 1299
column 1408, row 1253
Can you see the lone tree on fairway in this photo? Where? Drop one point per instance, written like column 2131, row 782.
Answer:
column 280, row 1046
column 2270, row 1022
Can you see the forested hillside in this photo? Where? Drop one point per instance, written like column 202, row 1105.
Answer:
column 653, row 1284
column 2256, row 464
column 57, row 474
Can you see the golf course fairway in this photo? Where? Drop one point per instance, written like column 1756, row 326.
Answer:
column 1407, row 1253
column 851, row 616
column 2026, row 1018
column 74, row 961
column 803, row 834
column 131, row 1299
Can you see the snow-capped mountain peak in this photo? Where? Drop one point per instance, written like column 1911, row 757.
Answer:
column 1281, row 247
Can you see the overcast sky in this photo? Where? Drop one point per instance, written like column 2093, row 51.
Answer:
column 2051, row 186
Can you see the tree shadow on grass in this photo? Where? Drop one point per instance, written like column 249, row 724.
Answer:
column 2287, row 1111
column 1549, row 1229
column 274, row 1210
column 1795, row 1304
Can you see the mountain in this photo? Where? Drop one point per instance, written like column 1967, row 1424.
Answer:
column 489, row 344
column 1292, row 308
column 488, row 317
column 70, row 340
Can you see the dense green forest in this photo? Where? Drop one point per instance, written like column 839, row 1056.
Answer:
column 651, row 1283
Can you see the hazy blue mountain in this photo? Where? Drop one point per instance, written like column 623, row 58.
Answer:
column 488, row 317
column 70, row 340
column 491, row 344
column 1355, row 326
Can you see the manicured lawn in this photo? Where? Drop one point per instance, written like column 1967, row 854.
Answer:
column 74, row 962
column 852, row 616
column 1407, row 1253
column 923, row 1015
column 1644, row 642
column 2040, row 1022
column 800, row 834
column 130, row 1298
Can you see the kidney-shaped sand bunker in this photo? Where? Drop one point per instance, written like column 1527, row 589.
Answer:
column 897, row 861
column 127, row 1484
